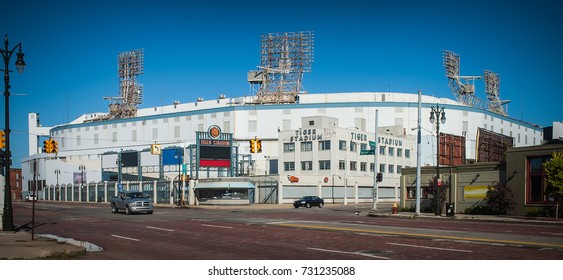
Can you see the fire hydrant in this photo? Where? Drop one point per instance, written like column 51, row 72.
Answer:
column 395, row 208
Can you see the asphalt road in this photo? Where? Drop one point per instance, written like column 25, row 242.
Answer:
column 285, row 233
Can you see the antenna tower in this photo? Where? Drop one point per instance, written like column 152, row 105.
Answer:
column 130, row 65
column 284, row 57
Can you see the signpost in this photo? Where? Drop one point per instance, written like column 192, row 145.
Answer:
column 367, row 152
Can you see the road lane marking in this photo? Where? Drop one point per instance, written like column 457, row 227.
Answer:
column 553, row 233
column 206, row 225
column 410, row 234
column 128, row 238
column 349, row 253
column 157, row 228
column 431, row 248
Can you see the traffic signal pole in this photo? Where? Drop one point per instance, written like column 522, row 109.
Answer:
column 375, row 190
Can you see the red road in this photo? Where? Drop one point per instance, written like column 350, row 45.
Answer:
column 265, row 234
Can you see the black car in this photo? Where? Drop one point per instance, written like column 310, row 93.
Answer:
column 309, row 201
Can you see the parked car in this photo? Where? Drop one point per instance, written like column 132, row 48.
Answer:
column 309, row 201
column 30, row 197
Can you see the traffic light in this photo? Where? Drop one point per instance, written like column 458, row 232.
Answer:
column 2, row 159
column 55, row 146
column 3, row 140
column 47, row 146
column 379, row 177
column 252, row 145
column 258, row 146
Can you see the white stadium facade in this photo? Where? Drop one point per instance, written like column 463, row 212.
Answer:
column 309, row 147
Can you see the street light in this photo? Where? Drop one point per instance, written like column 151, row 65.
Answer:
column 178, row 156
column 333, row 186
column 57, row 188
column 8, row 218
column 435, row 114
column 82, row 168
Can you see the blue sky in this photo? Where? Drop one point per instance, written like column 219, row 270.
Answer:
column 205, row 48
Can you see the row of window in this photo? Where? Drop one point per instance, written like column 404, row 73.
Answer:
column 353, row 166
column 343, row 146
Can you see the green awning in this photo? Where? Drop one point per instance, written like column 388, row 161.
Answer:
column 225, row 185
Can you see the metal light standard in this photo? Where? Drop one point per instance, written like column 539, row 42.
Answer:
column 57, row 188
column 178, row 156
column 82, row 168
column 435, row 114
column 8, row 218
column 333, row 186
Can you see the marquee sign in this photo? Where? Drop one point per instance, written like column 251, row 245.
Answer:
column 214, row 147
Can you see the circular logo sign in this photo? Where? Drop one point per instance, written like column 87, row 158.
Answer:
column 214, row 131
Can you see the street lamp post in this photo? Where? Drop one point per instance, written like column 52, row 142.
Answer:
column 437, row 115
column 82, row 168
column 333, row 186
column 8, row 218
column 57, row 188
column 179, row 157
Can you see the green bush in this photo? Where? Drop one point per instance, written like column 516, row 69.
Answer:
column 535, row 212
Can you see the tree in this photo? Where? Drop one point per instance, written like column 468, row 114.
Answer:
column 554, row 178
column 500, row 199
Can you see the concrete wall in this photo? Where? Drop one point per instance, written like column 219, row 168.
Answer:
column 469, row 183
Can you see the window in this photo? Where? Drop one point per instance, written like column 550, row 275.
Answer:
column 288, row 147
column 324, row 164
column 535, row 187
column 399, row 168
column 306, row 146
column 78, row 141
column 408, row 153
column 306, row 165
column 286, row 125
column 382, row 150
column 353, row 166
column 353, row 146
column 96, row 139
column 399, row 152
column 155, row 133
column 382, row 168
column 134, row 135
column 324, row 145
column 311, row 123
column 114, row 137
column 342, row 164
column 371, row 167
column 252, row 125
column 177, row 132
column 363, row 166
column 391, row 168
column 289, row 166
column 391, row 151
column 342, row 145
column 363, row 146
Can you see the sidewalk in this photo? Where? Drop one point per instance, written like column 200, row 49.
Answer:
column 19, row 246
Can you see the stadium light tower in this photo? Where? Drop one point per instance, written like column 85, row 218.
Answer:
column 283, row 60
column 8, row 216
column 492, row 88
